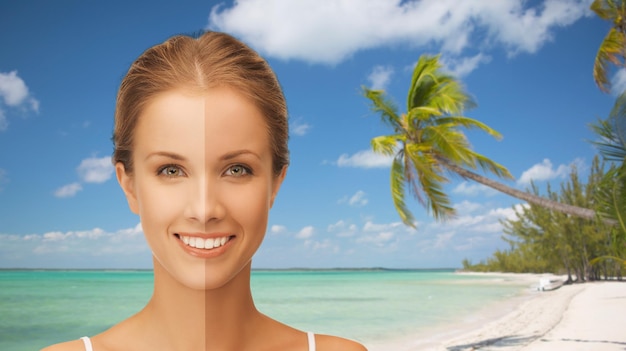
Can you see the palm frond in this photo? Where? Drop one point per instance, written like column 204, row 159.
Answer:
column 430, row 180
column 385, row 107
column 422, row 114
column 612, row 145
column 432, row 87
column 611, row 196
column 418, row 88
column 605, row 9
column 611, row 51
column 397, row 192
column 449, row 95
column 386, row 144
column 469, row 123
column 448, row 142
column 490, row 166
column 609, row 146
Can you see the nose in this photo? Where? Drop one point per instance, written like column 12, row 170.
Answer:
column 204, row 203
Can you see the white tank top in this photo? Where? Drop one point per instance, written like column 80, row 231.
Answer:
column 310, row 337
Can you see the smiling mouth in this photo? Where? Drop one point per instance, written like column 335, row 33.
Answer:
column 205, row 244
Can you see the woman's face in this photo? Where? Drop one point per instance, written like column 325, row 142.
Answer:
column 202, row 183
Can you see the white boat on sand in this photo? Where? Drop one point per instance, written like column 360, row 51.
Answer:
column 549, row 283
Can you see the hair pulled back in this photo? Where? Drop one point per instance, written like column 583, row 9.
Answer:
column 212, row 60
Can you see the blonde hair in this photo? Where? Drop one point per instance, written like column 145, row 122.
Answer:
column 212, row 60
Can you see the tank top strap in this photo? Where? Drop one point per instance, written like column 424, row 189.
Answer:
column 87, row 343
column 311, row 338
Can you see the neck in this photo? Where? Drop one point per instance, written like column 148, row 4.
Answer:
column 183, row 318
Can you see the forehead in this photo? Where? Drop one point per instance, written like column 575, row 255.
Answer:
column 216, row 121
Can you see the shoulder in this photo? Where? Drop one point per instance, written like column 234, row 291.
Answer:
column 335, row 343
column 74, row 345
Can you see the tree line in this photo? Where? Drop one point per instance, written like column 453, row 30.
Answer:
column 541, row 240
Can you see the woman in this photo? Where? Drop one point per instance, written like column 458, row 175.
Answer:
column 200, row 152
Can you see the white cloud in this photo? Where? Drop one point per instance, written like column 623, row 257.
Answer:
column 370, row 226
column 299, row 128
column 278, row 229
column 545, row 171
column 14, row 93
column 378, row 239
column 365, row 159
column 68, row 190
column 467, row 207
column 324, row 245
column 461, row 67
column 487, row 221
column 90, row 170
column 443, row 239
column 618, row 82
column 51, row 248
column 13, row 89
column 359, row 199
column 473, row 189
column 306, row 232
column 95, row 170
column 342, row 229
column 506, row 213
column 329, row 32
column 380, row 77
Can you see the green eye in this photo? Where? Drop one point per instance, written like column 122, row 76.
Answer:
column 238, row 171
column 171, row 171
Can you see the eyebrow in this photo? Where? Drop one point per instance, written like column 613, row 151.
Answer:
column 171, row 155
column 234, row 154
column 225, row 157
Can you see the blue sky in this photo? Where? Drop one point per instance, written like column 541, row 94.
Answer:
column 527, row 63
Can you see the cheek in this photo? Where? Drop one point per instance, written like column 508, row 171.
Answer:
column 158, row 207
column 250, row 207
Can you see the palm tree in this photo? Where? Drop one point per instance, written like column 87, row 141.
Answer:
column 427, row 145
column 611, row 195
column 613, row 47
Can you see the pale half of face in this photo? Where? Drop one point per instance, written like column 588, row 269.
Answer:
column 202, row 183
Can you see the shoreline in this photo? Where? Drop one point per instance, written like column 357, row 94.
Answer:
column 532, row 321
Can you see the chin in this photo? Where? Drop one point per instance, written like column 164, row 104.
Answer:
column 204, row 277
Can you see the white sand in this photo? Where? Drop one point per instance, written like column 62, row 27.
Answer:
column 589, row 316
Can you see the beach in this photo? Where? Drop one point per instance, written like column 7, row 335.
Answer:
column 590, row 316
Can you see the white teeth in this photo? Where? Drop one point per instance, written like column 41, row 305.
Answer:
column 207, row 244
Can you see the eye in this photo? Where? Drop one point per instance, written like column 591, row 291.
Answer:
column 238, row 171
column 171, row 171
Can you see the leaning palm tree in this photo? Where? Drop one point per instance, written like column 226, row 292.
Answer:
column 613, row 47
column 428, row 145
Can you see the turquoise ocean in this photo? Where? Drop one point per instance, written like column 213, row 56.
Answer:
column 39, row 308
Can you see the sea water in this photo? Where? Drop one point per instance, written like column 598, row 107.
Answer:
column 39, row 308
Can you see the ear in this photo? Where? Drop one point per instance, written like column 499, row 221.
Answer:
column 276, row 183
column 126, row 183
